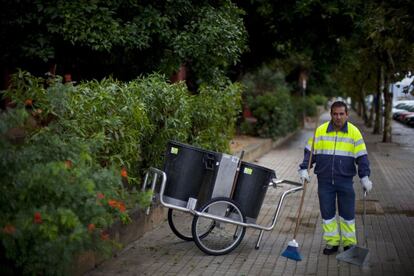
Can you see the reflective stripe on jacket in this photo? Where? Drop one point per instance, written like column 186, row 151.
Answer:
column 337, row 152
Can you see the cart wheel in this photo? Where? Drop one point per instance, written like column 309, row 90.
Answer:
column 180, row 224
column 225, row 236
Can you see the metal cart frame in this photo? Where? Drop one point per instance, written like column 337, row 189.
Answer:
column 154, row 175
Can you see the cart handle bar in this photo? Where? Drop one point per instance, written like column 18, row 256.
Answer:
column 273, row 183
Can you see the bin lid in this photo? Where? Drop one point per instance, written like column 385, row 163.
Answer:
column 179, row 144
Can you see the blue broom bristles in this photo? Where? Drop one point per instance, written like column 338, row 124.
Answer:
column 292, row 251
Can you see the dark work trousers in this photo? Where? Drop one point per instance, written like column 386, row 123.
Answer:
column 328, row 192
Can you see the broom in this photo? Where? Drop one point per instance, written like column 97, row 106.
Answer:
column 292, row 252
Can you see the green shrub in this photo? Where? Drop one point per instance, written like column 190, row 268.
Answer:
column 113, row 110
column 56, row 199
column 268, row 97
column 107, row 109
column 263, row 81
column 274, row 113
column 247, row 128
column 305, row 106
column 319, row 99
column 28, row 90
column 214, row 114
column 168, row 109
column 311, row 109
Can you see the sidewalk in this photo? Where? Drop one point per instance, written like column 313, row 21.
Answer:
column 390, row 224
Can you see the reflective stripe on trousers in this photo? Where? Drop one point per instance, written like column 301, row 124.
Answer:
column 330, row 231
column 347, row 231
column 332, row 236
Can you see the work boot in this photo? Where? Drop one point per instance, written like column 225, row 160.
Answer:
column 330, row 249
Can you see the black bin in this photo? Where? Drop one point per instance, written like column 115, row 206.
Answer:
column 251, row 187
column 191, row 172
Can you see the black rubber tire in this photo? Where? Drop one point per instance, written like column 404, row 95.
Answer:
column 181, row 233
column 202, row 241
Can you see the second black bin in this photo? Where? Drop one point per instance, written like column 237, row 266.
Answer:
column 191, row 172
column 251, row 187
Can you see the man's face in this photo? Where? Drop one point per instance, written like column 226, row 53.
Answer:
column 339, row 117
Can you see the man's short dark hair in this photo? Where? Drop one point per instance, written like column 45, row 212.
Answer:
column 339, row 104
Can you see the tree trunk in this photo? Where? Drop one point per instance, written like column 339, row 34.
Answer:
column 377, row 102
column 387, row 135
column 363, row 105
column 359, row 107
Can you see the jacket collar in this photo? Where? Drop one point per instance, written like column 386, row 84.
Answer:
column 331, row 128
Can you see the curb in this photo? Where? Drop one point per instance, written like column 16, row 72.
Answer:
column 123, row 234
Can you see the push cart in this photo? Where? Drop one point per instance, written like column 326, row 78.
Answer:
column 213, row 197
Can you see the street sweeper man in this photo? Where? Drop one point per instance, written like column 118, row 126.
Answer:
column 338, row 147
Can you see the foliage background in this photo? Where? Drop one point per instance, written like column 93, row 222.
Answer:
column 94, row 39
column 72, row 157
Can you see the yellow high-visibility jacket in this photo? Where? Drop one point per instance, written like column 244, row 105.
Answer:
column 337, row 152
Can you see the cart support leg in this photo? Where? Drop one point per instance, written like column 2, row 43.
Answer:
column 154, row 182
column 259, row 239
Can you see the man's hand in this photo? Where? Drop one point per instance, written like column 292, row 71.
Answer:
column 366, row 183
column 303, row 175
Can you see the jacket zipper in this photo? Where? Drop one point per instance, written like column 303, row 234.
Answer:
column 333, row 158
